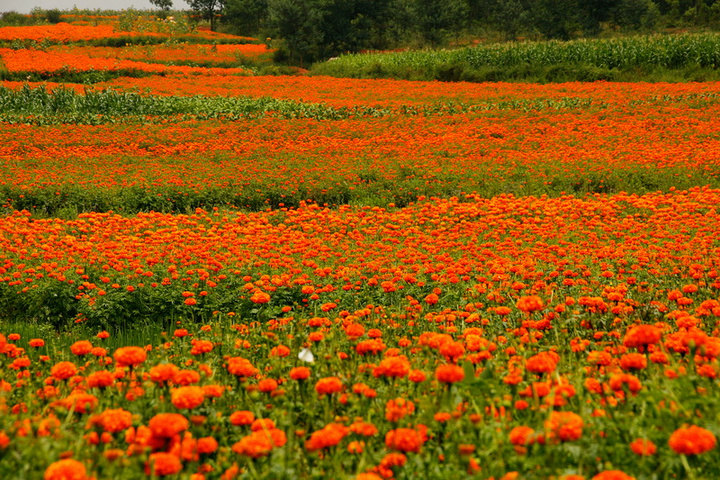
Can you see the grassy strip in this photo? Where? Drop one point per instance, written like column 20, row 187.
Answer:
column 42, row 106
column 68, row 201
column 650, row 58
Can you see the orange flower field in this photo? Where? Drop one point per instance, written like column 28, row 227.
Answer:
column 373, row 280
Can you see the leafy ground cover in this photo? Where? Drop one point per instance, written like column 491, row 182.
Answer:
column 210, row 276
column 688, row 57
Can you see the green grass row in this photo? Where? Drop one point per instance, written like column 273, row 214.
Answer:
column 42, row 106
column 685, row 57
column 368, row 188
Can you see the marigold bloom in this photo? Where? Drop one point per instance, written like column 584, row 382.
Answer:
column 130, row 356
column 242, row 417
column 115, row 420
column 530, row 304
column 63, row 370
column 633, row 361
column 300, row 373
column 328, row 386
column 79, row 402
column 67, row 469
column 692, row 440
column 613, row 475
column 404, row 440
column 620, row 380
column 259, row 443
column 398, row 408
column 565, row 426
column 163, row 372
column 543, row 362
column 449, row 373
column 187, row 397
column 393, row 367
column 260, row 297
column 329, row 436
column 267, row 385
column 642, row 335
column 186, row 377
column 200, row 347
column 36, row 342
column 643, row 447
column 364, row 428
column 165, row 425
column 262, row 424
column 82, row 347
column 162, row 463
column 241, row 367
column 522, row 435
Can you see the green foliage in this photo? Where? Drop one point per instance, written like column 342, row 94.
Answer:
column 246, row 17
column 622, row 59
column 207, row 10
column 163, row 5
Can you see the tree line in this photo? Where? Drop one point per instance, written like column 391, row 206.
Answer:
column 319, row 29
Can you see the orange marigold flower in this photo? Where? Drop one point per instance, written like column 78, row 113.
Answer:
column 100, row 379
column 259, row 443
column 398, row 408
column 328, row 386
column 162, row 463
column 643, row 447
column 613, row 475
column 432, row 299
column 267, row 385
column 260, row 297
column 82, row 347
column 200, row 347
column 565, row 426
column 187, row 397
column 79, row 402
column 241, row 367
column 417, row 376
column 280, row 351
column 393, row 367
column 692, row 440
column 619, row 380
column 642, row 335
column 300, row 373
column 67, row 469
column 242, row 417
column 633, row 361
column 165, row 425
column 364, row 428
column 63, row 370
column 522, row 435
column 163, row 372
column 130, row 356
column 116, row 420
column 36, row 342
column 543, row 362
column 328, row 436
column 530, row 304
column 404, row 440
column 449, row 373
column 262, row 424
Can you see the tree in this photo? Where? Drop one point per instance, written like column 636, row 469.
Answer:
column 207, row 9
column 163, row 5
column 248, row 17
column 299, row 23
column 437, row 19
